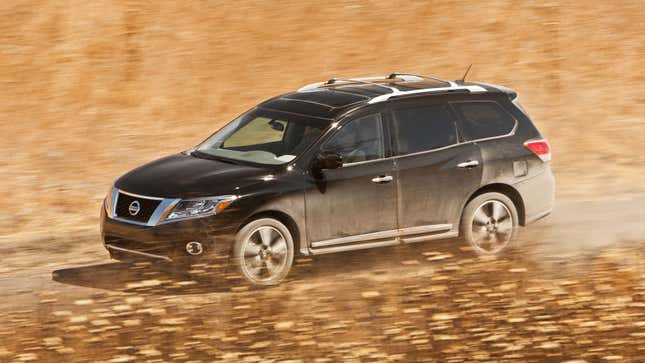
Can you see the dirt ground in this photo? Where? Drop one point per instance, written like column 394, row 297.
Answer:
column 569, row 291
column 91, row 89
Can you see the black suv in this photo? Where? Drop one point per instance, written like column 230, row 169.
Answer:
column 340, row 165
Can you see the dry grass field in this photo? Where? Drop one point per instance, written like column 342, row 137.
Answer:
column 90, row 89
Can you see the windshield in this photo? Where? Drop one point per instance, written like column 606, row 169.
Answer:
column 264, row 137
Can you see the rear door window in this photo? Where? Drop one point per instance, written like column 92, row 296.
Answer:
column 423, row 128
column 481, row 120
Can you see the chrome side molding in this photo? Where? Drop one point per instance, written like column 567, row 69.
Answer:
column 383, row 238
column 356, row 238
column 359, row 246
column 430, row 237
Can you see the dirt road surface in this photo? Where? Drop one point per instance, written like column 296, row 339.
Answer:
column 572, row 288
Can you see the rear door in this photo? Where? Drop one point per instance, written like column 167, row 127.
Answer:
column 491, row 127
column 435, row 172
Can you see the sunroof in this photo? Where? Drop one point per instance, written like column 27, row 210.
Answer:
column 329, row 97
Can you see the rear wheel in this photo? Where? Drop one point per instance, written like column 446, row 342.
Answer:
column 488, row 223
column 264, row 251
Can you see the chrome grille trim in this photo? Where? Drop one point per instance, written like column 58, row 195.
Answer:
column 138, row 195
column 162, row 209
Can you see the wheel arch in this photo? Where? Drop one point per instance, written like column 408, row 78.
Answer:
column 508, row 191
column 283, row 218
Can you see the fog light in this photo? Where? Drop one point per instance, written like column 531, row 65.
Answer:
column 194, row 248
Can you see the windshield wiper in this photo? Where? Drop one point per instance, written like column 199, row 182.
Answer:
column 203, row 155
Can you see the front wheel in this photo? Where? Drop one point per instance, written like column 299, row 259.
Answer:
column 263, row 251
column 488, row 223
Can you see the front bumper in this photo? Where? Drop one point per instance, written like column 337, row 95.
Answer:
column 167, row 242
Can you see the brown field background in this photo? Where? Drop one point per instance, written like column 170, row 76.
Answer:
column 91, row 89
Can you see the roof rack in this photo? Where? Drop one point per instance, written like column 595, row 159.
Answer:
column 395, row 92
column 451, row 88
column 358, row 80
column 364, row 80
column 397, row 74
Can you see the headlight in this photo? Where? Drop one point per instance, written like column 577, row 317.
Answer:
column 108, row 203
column 194, row 208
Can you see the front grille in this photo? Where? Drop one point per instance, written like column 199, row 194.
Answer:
column 146, row 207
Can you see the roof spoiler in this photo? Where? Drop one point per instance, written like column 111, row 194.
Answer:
column 511, row 93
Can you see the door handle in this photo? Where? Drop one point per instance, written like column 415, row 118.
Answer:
column 382, row 179
column 468, row 164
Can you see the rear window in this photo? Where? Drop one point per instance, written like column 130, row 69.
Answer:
column 423, row 128
column 480, row 120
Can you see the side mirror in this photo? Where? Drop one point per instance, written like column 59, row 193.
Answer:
column 328, row 160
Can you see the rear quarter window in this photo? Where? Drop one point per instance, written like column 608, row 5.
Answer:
column 481, row 120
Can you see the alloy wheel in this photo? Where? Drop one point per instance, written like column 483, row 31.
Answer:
column 492, row 227
column 264, row 254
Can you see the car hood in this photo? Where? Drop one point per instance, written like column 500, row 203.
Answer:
column 186, row 176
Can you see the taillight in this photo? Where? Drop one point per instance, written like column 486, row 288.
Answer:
column 540, row 148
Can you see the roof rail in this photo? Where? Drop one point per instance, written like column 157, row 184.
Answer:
column 452, row 88
column 332, row 81
column 396, row 74
column 359, row 80
column 395, row 92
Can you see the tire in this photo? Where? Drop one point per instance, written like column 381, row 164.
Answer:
column 489, row 223
column 263, row 251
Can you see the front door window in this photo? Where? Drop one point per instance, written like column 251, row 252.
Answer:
column 360, row 140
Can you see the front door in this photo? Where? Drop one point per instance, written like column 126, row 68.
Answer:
column 435, row 173
column 354, row 206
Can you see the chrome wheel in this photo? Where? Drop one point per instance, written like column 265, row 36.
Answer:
column 492, row 227
column 264, row 254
